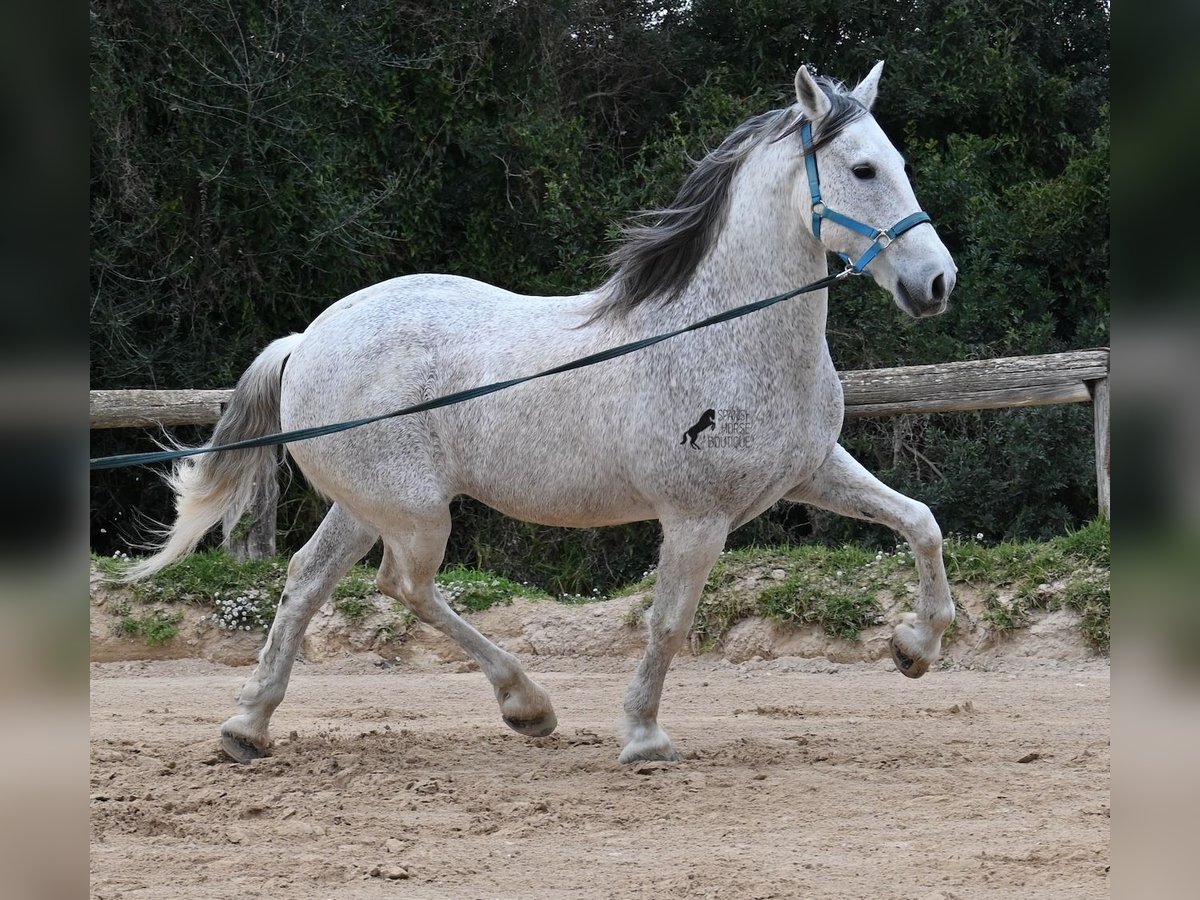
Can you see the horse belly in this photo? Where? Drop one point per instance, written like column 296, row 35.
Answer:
column 547, row 454
column 579, row 508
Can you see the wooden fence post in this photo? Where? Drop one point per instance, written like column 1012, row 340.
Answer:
column 1103, row 446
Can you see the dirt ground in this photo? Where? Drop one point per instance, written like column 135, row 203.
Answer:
column 800, row 778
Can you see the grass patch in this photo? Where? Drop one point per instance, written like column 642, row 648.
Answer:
column 203, row 578
column 111, row 567
column 641, row 586
column 355, row 609
column 842, row 610
column 154, row 627
column 1028, row 562
column 1019, row 572
column 242, row 595
column 351, row 593
column 358, row 584
column 475, row 590
column 831, row 587
column 213, row 578
column 1090, row 596
column 637, row 612
column 1092, row 543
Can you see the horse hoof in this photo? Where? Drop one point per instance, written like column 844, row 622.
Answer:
column 905, row 664
column 539, row 727
column 629, row 755
column 240, row 749
column 648, row 744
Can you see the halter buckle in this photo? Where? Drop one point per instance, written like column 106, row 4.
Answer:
column 883, row 239
column 818, row 208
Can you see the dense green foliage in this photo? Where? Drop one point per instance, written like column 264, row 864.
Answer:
column 252, row 163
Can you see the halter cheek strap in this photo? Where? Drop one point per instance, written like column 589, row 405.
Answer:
column 881, row 238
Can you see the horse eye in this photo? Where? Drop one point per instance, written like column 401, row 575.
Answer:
column 864, row 171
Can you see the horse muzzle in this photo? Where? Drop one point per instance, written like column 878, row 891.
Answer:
column 928, row 298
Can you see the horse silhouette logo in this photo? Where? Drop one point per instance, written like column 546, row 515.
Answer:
column 707, row 421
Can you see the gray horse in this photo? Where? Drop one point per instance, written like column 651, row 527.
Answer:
column 598, row 446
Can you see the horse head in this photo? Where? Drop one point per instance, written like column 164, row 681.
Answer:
column 858, row 194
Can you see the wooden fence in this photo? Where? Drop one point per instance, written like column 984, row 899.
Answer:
column 1076, row 377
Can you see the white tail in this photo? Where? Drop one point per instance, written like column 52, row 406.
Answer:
column 211, row 486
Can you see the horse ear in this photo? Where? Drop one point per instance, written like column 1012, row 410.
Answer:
column 868, row 88
column 813, row 102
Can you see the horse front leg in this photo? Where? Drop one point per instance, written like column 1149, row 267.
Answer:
column 843, row 486
column 688, row 552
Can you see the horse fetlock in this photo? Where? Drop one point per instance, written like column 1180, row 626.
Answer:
column 243, row 740
column 261, row 698
column 942, row 618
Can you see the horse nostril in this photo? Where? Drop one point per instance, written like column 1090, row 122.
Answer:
column 937, row 290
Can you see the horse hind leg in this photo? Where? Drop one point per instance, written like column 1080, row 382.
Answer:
column 313, row 572
column 411, row 558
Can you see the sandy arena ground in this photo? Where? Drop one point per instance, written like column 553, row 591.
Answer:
column 800, row 779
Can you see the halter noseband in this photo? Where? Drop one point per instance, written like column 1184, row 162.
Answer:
column 882, row 237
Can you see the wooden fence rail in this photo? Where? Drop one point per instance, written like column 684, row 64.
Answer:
column 1076, row 377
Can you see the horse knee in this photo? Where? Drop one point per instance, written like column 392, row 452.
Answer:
column 942, row 617
column 922, row 529
column 670, row 635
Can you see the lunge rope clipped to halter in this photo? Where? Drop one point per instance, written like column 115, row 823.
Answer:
column 881, row 238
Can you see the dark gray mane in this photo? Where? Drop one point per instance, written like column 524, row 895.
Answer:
column 657, row 261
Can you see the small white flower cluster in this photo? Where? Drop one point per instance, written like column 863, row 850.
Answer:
column 955, row 537
column 240, row 613
column 120, row 554
column 902, row 549
column 453, row 590
column 582, row 598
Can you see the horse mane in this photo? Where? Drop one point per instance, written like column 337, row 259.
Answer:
column 658, row 260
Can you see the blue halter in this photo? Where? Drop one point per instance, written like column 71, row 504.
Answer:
column 882, row 237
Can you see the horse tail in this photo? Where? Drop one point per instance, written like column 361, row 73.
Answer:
column 683, row 440
column 212, row 487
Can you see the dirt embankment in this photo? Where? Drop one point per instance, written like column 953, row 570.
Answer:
column 610, row 628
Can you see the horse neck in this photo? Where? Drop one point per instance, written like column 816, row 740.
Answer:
column 763, row 249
